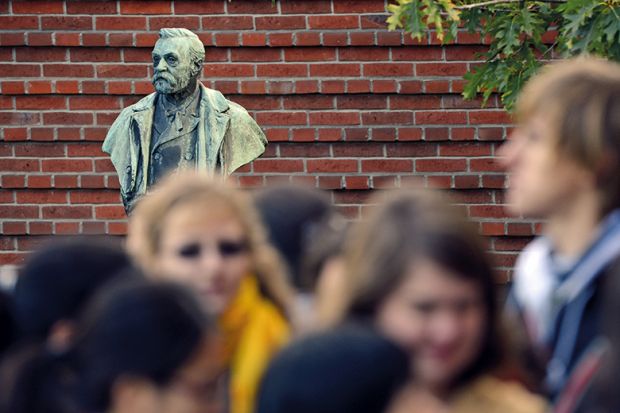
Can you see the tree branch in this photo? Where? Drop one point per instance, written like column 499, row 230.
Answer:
column 492, row 2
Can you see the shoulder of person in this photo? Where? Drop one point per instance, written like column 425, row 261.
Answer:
column 493, row 395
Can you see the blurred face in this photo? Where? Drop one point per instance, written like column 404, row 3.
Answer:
column 172, row 64
column 542, row 180
column 195, row 388
column 207, row 250
column 439, row 318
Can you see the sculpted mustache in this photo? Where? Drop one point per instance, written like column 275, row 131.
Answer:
column 166, row 76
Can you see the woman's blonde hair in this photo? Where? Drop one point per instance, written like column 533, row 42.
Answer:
column 193, row 188
column 580, row 99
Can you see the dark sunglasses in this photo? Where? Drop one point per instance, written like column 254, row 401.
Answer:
column 224, row 248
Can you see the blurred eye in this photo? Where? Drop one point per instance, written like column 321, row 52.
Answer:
column 171, row 60
column 230, row 248
column 425, row 308
column 189, row 251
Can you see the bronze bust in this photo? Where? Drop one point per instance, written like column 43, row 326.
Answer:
column 182, row 125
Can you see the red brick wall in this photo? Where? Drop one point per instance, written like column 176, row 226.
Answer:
column 345, row 104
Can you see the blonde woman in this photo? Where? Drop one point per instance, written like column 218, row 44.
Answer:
column 204, row 233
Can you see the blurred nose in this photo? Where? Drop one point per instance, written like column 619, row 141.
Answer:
column 509, row 152
column 446, row 328
column 161, row 65
column 210, row 262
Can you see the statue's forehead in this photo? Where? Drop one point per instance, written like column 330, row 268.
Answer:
column 175, row 45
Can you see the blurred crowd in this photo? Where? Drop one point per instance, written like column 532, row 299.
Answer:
column 225, row 300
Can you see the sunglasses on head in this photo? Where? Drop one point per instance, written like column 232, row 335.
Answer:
column 224, row 247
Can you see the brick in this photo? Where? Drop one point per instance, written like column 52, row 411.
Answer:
column 306, row 86
column 67, row 118
column 440, row 69
column 12, row 39
column 254, row 39
column 304, row 135
column 40, row 102
column 334, row 22
column 308, row 54
column 383, row 118
column 388, row 69
column 251, row 7
column 487, row 211
column 253, row 87
column 98, row 102
column 91, row 7
column 15, row 134
column 281, row 118
column 120, row 23
column 332, row 165
column 104, row 165
column 307, row 39
column 19, row 118
column 13, row 88
column 40, row 39
column 276, row 135
column 93, row 228
column 417, row 53
column 282, row 70
column 41, row 197
column 66, row 23
column 68, row 134
column 93, row 197
column 334, row 39
column 305, row 7
column 490, row 116
column 124, row 71
column 313, row 150
column 38, row 7
column 387, row 165
column 19, row 165
column 280, row 22
column 93, row 87
column 363, row 53
column 66, row 228
column 361, row 38
column 334, row 118
column 95, row 55
column 280, row 165
column 333, row 86
column 66, row 39
column 19, row 70
column 440, row 117
column 40, row 54
column 39, row 87
column 14, row 228
column 68, row 70
column 187, row 22
column 437, row 86
column 62, row 165
column 145, row 7
column 485, row 165
column 335, row 70
column 358, row 86
column 19, row 22
column 255, row 55
column 373, row 21
column 92, row 181
column 280, row 39
column 66, row 212
column 117, row 228
column 358, row 6
column 383, row 86
column 19, row 211
column 200, row 7
column 415, row 102
column 42, row 134
column 389, row 39
column 308, row 102
column 39, row 181
column 363, row 102
column 383, row 134
column 37, row 150
column 13, row 181
column 40, row 228
column 440, row 165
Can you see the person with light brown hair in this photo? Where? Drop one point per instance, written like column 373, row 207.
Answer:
column 563, row 161
column 200, row 231
column 418, row 271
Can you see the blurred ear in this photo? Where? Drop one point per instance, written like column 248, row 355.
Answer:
column 130, row 394
column 61, row 335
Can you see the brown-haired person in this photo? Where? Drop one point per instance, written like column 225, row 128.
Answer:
column 206, row 234
column 418, row 271
column 563, row 159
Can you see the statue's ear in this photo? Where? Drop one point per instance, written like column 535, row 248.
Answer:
column 197, row 66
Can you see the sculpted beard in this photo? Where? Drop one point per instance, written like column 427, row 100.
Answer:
column 167, row 83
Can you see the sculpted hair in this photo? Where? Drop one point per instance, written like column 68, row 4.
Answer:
column 196, row 48
column 580, row 98
column 190, row 188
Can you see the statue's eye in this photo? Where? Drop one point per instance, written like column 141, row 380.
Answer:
column 171, row 60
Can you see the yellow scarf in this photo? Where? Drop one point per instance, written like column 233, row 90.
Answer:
column 253, row 331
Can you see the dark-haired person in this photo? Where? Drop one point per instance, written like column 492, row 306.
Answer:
column 351, row 369
column 419, row 273
column 57, row 281
column 207, row 235
column 563, row 159
column 140, row 347
column 305, row 228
